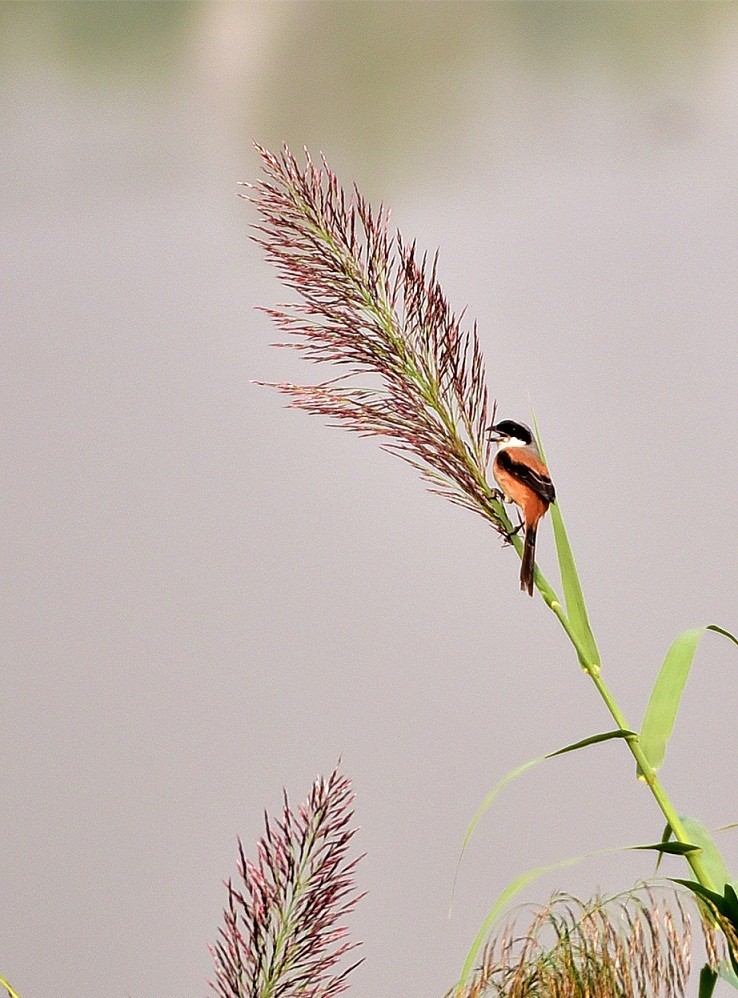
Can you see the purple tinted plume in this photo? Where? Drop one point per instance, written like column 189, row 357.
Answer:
column 373, row 306
column 282, row 934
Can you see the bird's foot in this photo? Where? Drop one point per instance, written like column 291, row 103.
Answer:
column 511, row 533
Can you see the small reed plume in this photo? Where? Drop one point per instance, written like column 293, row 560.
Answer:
column 281, row 934
column 371, row 305
column 634, row 946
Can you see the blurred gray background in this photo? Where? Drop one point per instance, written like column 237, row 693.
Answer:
column 207, row 597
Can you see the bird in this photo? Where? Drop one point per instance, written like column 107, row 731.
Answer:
column 523, row 478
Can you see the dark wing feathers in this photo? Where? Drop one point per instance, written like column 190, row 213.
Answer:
column 535, row 479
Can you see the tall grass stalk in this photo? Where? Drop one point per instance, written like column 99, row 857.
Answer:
column 373, row 307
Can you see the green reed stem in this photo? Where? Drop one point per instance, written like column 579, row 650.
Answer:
column 593, row 670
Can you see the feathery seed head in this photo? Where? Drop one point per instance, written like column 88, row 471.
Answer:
column 373, row 305
column 281, row 934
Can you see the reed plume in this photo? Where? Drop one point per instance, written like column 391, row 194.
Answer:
column 281, row 936
column 372, row 305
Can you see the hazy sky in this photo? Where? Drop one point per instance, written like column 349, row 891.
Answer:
column 207, row 597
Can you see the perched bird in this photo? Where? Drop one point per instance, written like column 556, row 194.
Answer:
column 523, row 479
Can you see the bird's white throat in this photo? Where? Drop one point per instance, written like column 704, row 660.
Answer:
column 511, row 442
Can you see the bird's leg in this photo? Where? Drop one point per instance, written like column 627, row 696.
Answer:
column 509, row 536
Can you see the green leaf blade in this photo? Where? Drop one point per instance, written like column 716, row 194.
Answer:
column 482, row 810
column 726, row 906
column 728, row 974
column 576, row 608
column 666, row 695
column 721, row 630
column 708, row 980
column 712, row 862
column 593, row 740
column 672, row 848
column 494, row 792
column 518, row 771
column 665, row 836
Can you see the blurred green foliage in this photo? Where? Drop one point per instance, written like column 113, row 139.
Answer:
column 379, row 77
column 99, row 38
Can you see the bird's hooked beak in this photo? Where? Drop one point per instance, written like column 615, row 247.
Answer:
column 494, row 434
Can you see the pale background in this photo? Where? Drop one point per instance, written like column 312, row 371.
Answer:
column 207, row 597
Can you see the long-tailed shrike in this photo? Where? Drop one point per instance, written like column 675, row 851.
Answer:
column 523, row 479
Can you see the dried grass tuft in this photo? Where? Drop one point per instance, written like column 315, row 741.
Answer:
column 637, row 945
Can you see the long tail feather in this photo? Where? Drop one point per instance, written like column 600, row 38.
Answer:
column 529, row 561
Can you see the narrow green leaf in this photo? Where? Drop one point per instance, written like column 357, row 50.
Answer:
column 663, row 705
column 728, row 974
column 488, row 800
column 672, row 848
column 667, row 692
column 726, row 904
column 509, row 892
column 482, row 810
column 712, row 862
column 518, row 771
column 721, row 630
column 708, row 980
column 513, row 774
column 576, row 608
column 592, row 740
